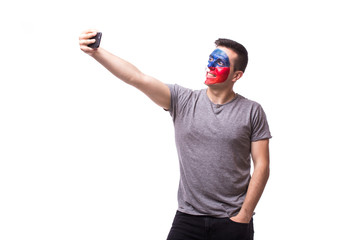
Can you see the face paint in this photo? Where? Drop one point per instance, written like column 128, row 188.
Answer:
column 218, row 67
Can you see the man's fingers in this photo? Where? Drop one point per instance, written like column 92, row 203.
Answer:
column 87, row 49
column 90, row 31
column 86, row 41
column 87, row 35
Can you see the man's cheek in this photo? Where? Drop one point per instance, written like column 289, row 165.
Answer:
column 222, row 73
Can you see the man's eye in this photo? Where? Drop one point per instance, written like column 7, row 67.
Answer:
column 211, row 59
column 220, row 62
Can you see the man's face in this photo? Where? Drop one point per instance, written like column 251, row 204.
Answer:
column 218, row 67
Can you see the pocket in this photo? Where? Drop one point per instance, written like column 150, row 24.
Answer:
column 239, row 223
column 237, row 230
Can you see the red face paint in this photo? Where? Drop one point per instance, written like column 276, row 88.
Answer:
column 217, row 75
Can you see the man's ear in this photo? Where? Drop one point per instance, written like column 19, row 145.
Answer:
column 237, row 75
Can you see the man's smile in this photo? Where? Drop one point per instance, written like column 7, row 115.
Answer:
column 211, row 75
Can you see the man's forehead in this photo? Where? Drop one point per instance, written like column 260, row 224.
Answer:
column 219, row 53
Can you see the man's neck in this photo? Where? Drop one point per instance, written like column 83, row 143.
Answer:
column 220, row 96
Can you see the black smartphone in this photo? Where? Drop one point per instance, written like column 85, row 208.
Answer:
column 96, row 44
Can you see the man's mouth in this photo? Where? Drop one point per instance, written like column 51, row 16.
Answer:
column 211, row 75
column 217, row 75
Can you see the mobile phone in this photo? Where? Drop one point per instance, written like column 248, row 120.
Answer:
column 96, row 44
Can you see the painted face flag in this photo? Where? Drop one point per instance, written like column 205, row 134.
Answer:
column 218, row 67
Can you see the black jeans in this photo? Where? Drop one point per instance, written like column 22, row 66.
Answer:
column 189, row 227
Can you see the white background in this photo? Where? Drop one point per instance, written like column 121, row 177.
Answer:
column 84, row 156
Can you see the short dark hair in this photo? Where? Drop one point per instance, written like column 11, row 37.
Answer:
column 239, row 49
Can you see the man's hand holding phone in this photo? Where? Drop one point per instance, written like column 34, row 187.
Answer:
column 89, row 41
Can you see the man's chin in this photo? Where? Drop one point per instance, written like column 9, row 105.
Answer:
column 212, row 81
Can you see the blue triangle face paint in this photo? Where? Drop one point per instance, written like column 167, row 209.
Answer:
column 219, row 67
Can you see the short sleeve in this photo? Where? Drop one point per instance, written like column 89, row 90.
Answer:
column 259, row 125
column 179, row 99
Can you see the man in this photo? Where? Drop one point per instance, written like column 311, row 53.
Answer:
column 216, row 131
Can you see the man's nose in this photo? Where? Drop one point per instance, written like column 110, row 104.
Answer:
column 211, row 65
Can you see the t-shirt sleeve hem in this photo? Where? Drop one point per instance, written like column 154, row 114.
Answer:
column 261, row 138
column 171, row 88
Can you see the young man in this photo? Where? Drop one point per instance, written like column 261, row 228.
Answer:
column 216, row 132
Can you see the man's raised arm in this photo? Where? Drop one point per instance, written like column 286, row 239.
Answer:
column 153, row 88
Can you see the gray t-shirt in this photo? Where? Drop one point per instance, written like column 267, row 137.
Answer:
column 213, row 143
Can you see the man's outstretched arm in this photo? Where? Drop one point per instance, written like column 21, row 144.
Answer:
column 153, row 88
column 260, row 156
